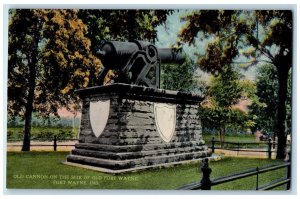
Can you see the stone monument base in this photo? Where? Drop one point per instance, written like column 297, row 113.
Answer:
column 127, row 128
column 213, row 157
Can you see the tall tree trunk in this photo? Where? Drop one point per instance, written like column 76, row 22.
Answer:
column 29, row 109
column 28, row 118
column 30, row 98
column 281, row 112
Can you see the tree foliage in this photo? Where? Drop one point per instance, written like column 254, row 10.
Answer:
column 223, row 118
column 218, row 110
column 49, row 57
column 53, row 43
column 225, row 89
column 265, row 108
column 182, row 78
column 124, row 25
column 258, row 36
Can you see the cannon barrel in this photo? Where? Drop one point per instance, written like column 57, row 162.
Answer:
column 115, row 54
column 170, row 56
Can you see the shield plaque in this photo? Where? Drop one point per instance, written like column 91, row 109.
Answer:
column 99, row 112
column 165, row 120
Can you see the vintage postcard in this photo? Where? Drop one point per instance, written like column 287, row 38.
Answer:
column 156, row 99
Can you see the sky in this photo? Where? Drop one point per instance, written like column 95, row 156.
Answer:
column 168, row 35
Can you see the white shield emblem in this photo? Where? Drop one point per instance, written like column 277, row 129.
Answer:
column 165, row 120
column 99, row 112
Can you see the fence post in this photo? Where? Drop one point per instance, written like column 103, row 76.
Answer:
column 274, row 143
column 205, row 181
column 55, row 143
column 269, row 148
column 213, row 144
column 288, row 176
column 257, row 178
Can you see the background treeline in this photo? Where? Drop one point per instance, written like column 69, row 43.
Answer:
column 62, row 128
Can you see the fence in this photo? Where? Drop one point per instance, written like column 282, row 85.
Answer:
column 206, row 183
column 243, row 146
column 54, row 141
column 239, row 146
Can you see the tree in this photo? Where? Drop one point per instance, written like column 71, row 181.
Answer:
column 218, row 111
column 265, row 108
column 260, row 36
column 136, row 24
column 49, row 57
column 174, row 77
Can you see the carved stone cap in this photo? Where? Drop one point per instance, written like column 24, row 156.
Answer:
column 142, row 93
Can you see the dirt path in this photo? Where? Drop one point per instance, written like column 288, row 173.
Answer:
column 245, row 153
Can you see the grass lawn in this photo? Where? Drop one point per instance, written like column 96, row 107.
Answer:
column 242, row 138
column 231, row 138
column 44, row 170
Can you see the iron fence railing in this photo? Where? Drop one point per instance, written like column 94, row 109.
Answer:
column 206, row 183
column 55, row 142
column 263, row 146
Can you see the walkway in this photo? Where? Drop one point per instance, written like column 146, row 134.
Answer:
column 246, row 153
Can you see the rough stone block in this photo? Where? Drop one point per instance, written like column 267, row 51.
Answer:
column 135, row 134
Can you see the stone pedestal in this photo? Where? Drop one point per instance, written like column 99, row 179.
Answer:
column 126, row 128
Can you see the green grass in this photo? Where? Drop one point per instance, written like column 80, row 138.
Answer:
column 236, row 138
column 43, row 132
column 231, row 138
column 21, row 166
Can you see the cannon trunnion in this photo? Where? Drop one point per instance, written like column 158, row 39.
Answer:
column 135, row 62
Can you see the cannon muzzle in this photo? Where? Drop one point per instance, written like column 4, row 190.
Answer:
column 170, row 56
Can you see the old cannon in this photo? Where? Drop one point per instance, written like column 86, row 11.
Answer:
column 136, row 62
column 130, row 124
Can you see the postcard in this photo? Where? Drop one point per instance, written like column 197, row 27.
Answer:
column 155, row 99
